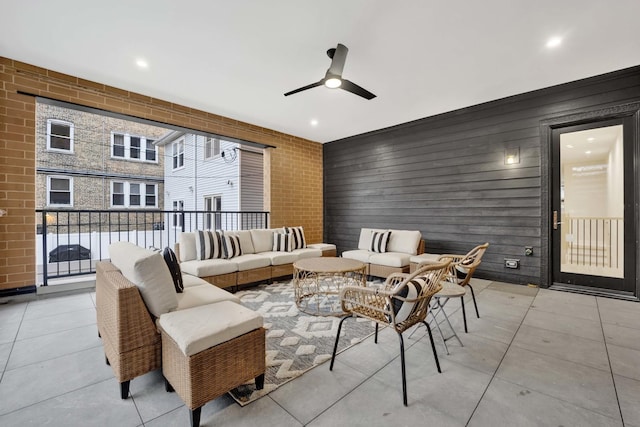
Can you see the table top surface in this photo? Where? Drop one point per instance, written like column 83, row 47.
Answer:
column 328, row 265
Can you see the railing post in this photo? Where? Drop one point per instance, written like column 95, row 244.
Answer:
column 44, row 249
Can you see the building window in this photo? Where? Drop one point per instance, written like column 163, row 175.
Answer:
column 59, row 191
column 133, row 194
column 178, row 218
column 59, row 136
column 213, row 221
column 177, row 153
column 130, row 147
column 211, row 148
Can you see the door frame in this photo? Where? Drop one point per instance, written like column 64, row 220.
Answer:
column 578, row 117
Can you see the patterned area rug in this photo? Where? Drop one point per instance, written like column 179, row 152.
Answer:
column 296, row 342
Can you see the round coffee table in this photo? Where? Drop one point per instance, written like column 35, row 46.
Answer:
column 317, row 283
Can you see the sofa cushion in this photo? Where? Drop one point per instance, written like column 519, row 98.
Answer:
column 246, row 241
column 406, row 241
column 390, row 259
column 322, row 246
column 282, row 242
column 174, row 268
column 417, row 259
column 262, row 240
column 361, row 255
column 209, row 267
column 379, row 241
column 209, row 244
column 365, row 238
column 251, row 261
column 187, row 246
column 194, row 296
column 297, row 234
column 199, row 328
column 148, row 271
column 189, row 280
column 232, row 246
column 281, row 258
column 307, row 253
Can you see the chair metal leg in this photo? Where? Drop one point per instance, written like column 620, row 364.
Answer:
column 433, row 346
column 473, row 295
column 464, row 315
column 404, row 373
column 444, row 341
column 375, row 339
column 335, row 346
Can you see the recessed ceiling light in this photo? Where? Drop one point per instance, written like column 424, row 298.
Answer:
column 314, row 122
column 590, row 139
column 142, row 63
column 569, row 146
column 554, row 42
column 587, row 152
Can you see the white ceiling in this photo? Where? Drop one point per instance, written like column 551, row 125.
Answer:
column 238, row 58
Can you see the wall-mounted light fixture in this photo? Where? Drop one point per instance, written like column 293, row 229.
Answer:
column 512, row 156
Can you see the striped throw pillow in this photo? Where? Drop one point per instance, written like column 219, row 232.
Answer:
column 282, row 242
column 297, row 234
column 231, row 246
column 403, row 309
column 379, row 241
column 208, row 244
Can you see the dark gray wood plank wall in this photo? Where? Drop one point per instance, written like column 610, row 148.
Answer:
column 446, row 175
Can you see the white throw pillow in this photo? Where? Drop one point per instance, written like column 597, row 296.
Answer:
column 149, row 272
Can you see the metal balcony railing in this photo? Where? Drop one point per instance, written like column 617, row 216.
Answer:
column 71, row 242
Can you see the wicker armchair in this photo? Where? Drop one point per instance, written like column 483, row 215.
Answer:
column 458, row 275
column 402, row 302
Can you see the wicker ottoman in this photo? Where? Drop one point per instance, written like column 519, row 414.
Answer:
column 209, row 350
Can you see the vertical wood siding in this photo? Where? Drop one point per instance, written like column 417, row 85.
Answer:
column 446, row 175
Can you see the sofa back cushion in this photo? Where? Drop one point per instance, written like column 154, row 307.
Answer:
column 262, row 239
column 187, row 246
column 405, row 241
column 246, row 244
column 365, row 238
column 149, row 272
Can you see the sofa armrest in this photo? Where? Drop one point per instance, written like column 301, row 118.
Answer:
column 421, row 247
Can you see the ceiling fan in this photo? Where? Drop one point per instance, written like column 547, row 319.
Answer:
column 333, row 78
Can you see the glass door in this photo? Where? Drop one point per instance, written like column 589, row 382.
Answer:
column 592, row 208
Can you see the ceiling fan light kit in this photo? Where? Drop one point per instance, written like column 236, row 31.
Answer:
column 333, row 78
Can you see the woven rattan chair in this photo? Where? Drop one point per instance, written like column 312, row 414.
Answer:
column 400, row 303
column 457, row 277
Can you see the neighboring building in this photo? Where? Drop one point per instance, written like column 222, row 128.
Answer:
column 211, row 174
column 90, row 161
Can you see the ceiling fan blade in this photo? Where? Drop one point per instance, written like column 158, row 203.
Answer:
column 358, row 90
column 337, row 60
column 311, row 86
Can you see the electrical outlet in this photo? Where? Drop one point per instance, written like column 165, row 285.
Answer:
column 511, row 263
column 528, row 250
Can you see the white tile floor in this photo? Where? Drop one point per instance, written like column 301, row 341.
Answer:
column 535, row 357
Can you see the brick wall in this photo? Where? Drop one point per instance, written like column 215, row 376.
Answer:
column 293, row 190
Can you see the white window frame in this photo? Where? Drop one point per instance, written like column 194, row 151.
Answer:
column 215, row 205
column 177, row 220
column 71, row 131
column 127, row 194
column 212, row 148
column 67, row 178
column 177, row 155
column 142, row 149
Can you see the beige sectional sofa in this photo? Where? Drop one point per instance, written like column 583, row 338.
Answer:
column 258, row 261
column 394, row 258
column 133, row 291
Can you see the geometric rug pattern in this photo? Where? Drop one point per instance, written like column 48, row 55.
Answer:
column 296, row 342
